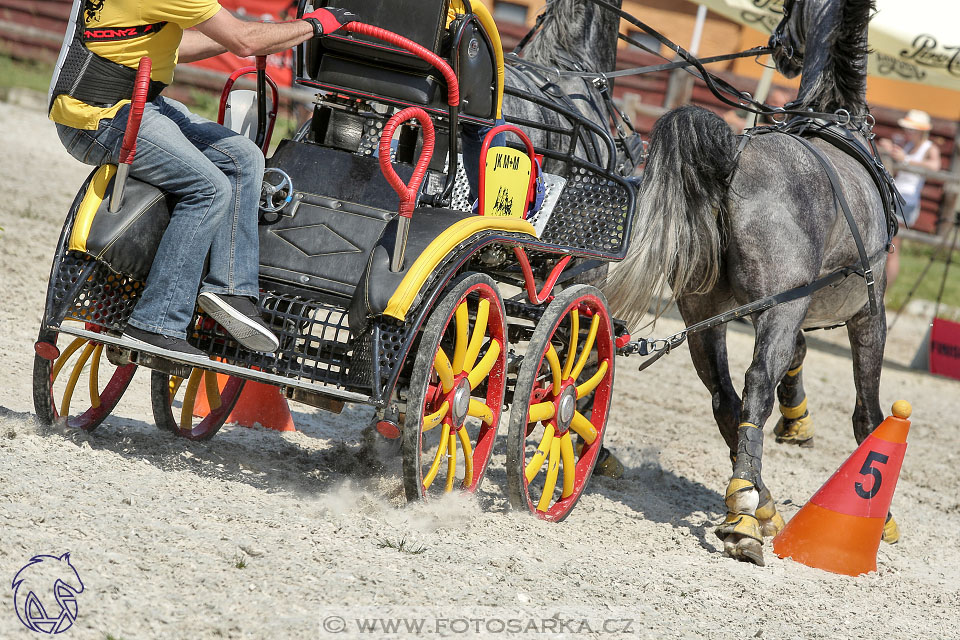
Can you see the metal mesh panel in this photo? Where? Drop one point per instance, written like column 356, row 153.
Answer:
column 591, row 215
column 315, row 344
column 105, row 298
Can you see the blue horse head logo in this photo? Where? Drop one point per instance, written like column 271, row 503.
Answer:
column 45, row 594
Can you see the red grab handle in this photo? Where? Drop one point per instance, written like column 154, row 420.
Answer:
column 407, row 193
column 453, row 86
column 141, row 88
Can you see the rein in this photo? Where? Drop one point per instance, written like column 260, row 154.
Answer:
column 715, row 84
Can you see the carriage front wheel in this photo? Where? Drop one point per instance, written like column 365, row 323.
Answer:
column 456, row 390
column 567, row 367
column 74, row 379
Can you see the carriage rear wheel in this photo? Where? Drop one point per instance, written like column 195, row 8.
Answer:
column 61, row 364
column 568, row 365
column 194, row 407
column 456, row 390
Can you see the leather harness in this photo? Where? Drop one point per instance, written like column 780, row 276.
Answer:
column 843, row 139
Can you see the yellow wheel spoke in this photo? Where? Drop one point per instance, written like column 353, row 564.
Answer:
column 582, row 426
column 441, row 363
column 174, row 384
column 551, row 482
column 467, row 457
column 62, row 360
column 479, row 410
column 213, row 391
column 72, row 382
column 591, row 384
column 451, row 462
column 460, row 345
column 574, row 335
column 479, row 332
column 95, row 377
column 435, row 418
column 587, row 346
column 189, row 398
column 541, row 412
column 554, row 361
column 536, row 462
column 569, row 464
column 441, row 448
column 482, row 370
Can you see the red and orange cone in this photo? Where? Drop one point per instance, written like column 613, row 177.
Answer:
column 258, row 404
column 840, row 527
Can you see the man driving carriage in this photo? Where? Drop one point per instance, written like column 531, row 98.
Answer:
column 214, row 174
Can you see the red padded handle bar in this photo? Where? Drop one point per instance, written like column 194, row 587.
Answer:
column 271, row 116
column 141, row 88
column 407, row 193
column 453, row 86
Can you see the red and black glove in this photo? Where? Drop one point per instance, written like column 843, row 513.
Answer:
column 329, row 19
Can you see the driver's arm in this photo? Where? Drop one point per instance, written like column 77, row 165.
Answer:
column 224, row 32
column 258, row 38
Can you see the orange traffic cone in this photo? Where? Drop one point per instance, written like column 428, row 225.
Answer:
column 839, row 529
column 259, row 403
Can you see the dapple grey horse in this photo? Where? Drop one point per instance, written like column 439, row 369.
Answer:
column 723, row 227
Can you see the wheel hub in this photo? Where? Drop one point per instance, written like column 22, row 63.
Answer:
column 461, row 402
column 566, row 407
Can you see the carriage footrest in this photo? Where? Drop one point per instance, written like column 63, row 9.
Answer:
column 153, row 357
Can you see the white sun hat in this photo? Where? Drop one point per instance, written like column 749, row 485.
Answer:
column 916, row 119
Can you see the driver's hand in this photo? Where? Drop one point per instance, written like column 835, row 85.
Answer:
column 329, row 19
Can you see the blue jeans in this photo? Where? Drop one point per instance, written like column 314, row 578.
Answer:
column 215, row 175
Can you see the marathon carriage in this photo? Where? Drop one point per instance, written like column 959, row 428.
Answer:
column 439, row 316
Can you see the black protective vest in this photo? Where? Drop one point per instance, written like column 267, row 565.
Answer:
column 91, row 78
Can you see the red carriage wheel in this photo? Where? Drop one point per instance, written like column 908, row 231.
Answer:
column 194, row 407
column 568, row 365
column 456, row 390
column 59, row 374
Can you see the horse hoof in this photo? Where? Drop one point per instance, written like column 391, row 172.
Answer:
column 891, row 532
column 608, row 465
column 798, row 431
column 744, row 549
column 771, row 526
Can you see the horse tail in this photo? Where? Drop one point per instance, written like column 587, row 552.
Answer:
column 676, row 232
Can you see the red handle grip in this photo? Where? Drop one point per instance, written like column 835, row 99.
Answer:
column 141, row 88
column 485, row 148
column 407, row 193
column 453, row 86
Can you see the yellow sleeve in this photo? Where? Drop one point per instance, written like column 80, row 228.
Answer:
column 184, row 13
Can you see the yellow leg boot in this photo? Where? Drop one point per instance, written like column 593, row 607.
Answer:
column 795, row 425
column 740, row 531
column 771, row 522
column 891, row 532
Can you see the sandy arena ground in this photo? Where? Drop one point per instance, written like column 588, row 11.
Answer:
column 157, row 526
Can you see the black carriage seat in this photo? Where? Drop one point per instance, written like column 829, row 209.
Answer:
column 126, row 241
column 365, row 67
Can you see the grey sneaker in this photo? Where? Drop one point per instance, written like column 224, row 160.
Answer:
column 239, row 317
column 161, row 341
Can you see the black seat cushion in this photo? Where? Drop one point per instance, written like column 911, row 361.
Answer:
column 378, row 284
column 127, row 240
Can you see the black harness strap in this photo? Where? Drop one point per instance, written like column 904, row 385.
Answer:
column 854, row 230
